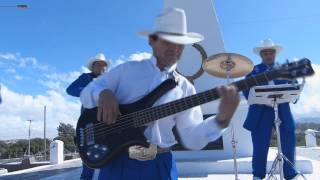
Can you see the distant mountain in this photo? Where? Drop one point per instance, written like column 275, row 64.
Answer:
column 11, row 141
column 308, row 120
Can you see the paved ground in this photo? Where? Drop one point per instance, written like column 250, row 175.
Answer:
column 70, row 170
column 311, row 153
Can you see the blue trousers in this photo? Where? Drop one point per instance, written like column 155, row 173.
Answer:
column 87, row 173
column 261, row 141
column 163, row 167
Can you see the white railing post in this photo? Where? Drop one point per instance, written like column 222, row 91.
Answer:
column 56, row 152
column 310, row 136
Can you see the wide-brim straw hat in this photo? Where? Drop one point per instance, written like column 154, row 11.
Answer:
column 99, row 57
column 171, row 25
column 267, row 44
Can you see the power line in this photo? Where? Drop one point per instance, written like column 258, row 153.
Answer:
column 19, row 6
column 276, row 19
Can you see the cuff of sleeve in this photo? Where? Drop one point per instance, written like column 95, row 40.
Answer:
column 213, row 131
column 89, row 97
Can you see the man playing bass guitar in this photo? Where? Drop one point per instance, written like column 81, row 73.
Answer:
column 131, row 81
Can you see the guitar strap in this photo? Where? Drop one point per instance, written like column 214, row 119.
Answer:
column 162, row 89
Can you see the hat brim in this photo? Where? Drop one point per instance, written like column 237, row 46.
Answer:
column 185, row 39
column 257, row 50
column 89, row 66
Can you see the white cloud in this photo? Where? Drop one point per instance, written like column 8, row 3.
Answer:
column 17, row 68
column 47, row 76
column 64, row 77
column 27, row 61
column 84, row 69
column 16, row 60
column 118, row 62
column 11, row 70
column 52, row 85
column 18, row 77
column 17, row 108
column 308, row 104
column 140, row 56
column 7, row 56
column 59, row 81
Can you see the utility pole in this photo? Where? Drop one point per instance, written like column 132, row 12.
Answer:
column 44, row 132
column 29, row 136
column 19, row 6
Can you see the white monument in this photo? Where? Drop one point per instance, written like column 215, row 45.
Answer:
column 201, row 18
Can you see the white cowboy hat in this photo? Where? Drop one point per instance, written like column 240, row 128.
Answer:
column 267, row 44
column 171, row 25
column 99, row 57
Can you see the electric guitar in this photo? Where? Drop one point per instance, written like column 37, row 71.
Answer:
column 99, row 143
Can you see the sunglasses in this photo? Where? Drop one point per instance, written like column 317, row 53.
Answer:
column 268, row 52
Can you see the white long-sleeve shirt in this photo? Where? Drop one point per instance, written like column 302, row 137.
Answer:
column 133, row 80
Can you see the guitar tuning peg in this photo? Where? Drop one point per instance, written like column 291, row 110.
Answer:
column 294, row 73
column 284, row 65
column 294, row 82
column 287, row 61
column 304, row 71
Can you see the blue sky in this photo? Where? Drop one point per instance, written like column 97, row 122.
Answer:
column 292, row 23
column 64, row 34
column 44, row 48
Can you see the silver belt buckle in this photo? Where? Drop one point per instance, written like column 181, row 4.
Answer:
column 142, row 153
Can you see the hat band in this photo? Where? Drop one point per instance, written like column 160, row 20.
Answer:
column 169, row 33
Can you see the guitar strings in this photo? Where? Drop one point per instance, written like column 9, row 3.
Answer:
column 147, row 109
column 109, row 130
column 123, row 118
column 105, row 130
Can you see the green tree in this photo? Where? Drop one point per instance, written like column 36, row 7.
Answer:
column 3, row 149
column 20, row 148
column 66, row 133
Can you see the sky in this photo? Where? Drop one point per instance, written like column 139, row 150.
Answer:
column 47, row 46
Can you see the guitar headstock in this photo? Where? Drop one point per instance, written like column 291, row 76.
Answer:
column 293, row 70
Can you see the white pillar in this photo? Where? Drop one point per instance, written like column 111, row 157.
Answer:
column 310, row 137
column 56, row 152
